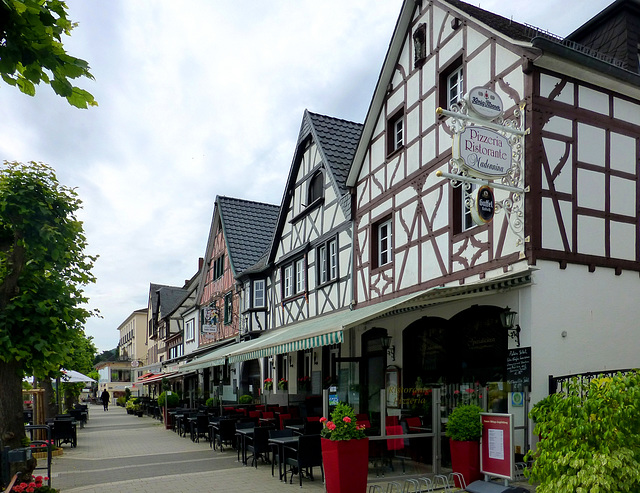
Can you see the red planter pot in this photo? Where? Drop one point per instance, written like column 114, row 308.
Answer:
column 346, row 465
column 465, row 459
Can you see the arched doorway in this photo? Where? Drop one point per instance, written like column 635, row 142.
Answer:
column 250, row 378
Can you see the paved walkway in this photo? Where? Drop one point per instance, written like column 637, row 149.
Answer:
column 120, row 453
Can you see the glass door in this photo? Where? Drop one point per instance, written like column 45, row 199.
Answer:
column 347, row 373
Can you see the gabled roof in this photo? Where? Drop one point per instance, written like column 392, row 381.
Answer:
column 520, row 34
column 248, row 229
column 169, row 297
column 337, row 141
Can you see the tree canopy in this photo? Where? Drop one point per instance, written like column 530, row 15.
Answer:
column 31, row 49
column 43, row 269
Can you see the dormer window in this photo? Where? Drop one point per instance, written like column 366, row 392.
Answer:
column 316, row 188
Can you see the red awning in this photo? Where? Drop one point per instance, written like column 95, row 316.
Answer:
column 144, row 377
column 158, row 377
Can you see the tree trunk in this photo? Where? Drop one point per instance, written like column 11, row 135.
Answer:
column 50, row 406
column 11, row 416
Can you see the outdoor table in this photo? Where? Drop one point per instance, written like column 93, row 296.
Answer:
column 299, row 429
column 244, row 434
column 281, row 443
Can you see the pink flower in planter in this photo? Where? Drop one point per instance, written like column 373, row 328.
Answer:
column 323, row 419
column 331, row 425
column 346, row 419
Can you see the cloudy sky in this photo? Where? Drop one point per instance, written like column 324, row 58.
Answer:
column 200, row 98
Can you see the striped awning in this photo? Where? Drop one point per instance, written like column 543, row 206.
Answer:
column 215, row 357
column 328, row 329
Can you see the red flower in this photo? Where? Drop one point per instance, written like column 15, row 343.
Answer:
column 346, row 419
column 331, row 425
column 323, row 419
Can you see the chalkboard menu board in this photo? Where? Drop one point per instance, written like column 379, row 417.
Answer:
column 519, row 368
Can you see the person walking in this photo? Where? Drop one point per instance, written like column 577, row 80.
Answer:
column 105, row 399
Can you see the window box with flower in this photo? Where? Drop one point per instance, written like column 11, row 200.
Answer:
column 268, row 384
column 283, row 384
column 345, row 452
column 304, row 383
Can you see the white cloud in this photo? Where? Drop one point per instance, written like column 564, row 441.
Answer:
column 198, row 99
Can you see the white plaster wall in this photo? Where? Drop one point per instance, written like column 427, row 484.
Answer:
column 548, row 84
column 593, row 100
column 599, row 312
column 626, row 111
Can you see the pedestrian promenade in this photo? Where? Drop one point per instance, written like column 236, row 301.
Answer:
column 118, row 452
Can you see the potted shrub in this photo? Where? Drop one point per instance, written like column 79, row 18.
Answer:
column 170, row 400
column 345, row 452
column 245, row 399
column 464, row 429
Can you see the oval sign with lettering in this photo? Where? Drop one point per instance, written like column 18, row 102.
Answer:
column 485, row 103
column 484, row 152
column 484, row 206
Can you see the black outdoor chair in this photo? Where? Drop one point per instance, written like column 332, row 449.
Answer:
column 199, row 427
column 259, row 445
column 226, row 432
column 241, row 425
column 275, row 456
column 307, row 456
column 64, row 431
column 79, row 415
column 312, row 428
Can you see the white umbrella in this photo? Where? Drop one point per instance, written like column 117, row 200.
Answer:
column 72, row 376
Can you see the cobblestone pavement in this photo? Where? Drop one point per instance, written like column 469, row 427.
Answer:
column 120, row 453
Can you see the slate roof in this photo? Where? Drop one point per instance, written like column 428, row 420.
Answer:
column 170, row 297
column 337, row 140
column 508, row 27
column 248, row 229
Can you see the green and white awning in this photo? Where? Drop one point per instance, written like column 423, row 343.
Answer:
column 328, row 329
column 216, row 357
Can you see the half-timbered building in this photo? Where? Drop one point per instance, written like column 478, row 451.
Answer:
column 241, row 231
column 561, row 250
column 309, row 261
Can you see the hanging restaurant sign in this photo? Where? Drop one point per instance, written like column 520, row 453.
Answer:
column 484, row 153
column 485, row 103
column 210, row 319
column 484, row 205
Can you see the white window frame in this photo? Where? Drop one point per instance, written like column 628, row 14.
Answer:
column 300, row 275
column 455, row 87
column 287, row 281
column 322, row 264
column 385, row 236
column 259, row 300
column 467, row 219
column 190, row 329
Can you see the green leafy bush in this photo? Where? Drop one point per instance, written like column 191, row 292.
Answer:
column 172, row 399
column 120, row 401
column 590, row 437
column 464, row 423
column 211, row 402
column 342, row 425
column 245, row 399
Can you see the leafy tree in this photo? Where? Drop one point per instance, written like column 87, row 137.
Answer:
column 31, row 49
column 43, row 269
column 590, row 437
